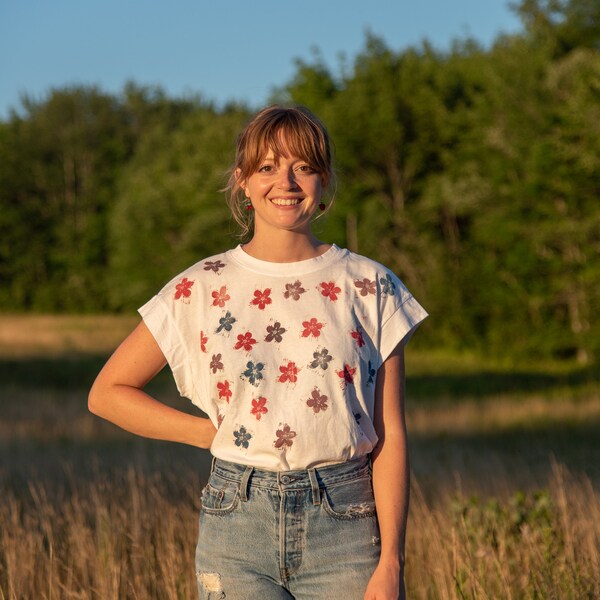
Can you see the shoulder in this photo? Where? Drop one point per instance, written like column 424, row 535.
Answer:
column 206, row 271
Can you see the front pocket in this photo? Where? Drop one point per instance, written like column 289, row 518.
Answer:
column 222, row 499
column 350, row 500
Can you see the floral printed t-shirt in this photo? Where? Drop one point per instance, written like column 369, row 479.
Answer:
column 283, row 356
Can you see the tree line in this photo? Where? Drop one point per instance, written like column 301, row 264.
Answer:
column 474, row 173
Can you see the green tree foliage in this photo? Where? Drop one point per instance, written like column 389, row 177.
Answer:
column 474, row 173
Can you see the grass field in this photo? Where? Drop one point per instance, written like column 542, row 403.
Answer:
column 506, row 477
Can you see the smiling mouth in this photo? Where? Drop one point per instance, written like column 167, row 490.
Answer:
column 286, row 201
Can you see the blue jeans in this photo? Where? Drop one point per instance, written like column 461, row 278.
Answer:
column 293, row 534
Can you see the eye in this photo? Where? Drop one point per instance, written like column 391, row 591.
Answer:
column 305, row 169
column 265, row 169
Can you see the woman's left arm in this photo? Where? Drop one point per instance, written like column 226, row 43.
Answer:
column 390, row 478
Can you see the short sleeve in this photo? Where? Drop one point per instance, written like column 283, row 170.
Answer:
column 161, row 323
column 400, row 314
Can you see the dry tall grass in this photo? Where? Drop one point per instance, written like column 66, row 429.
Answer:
column 133, row 537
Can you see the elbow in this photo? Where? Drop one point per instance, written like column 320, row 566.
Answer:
column 95, row 403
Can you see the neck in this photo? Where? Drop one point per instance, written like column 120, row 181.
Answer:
column 285, row 246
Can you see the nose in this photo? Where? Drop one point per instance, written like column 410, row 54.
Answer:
column 287, row 179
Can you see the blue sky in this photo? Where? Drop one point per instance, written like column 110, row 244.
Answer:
column 223, row 50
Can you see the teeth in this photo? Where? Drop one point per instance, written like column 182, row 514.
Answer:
column 285, row 202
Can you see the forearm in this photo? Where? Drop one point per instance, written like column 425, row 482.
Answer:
column 134, row 410
column 391, row 486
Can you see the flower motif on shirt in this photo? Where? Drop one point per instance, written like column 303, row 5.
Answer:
column 220, row 418
column 226, row 322
column 317, row 401
column 261, row 299
column 321, row 359
column 259, row 407
column 366, row 286
column 293, row 290
column 312, row 327
column 347, row 374
column 357, row 417
column 387, row 285
column 330, row 290
column 220, row 297
column 285, row 437
column 275, row 332
column 242, row 437
column 224, row 391
column 245, row 341
column 215, row 363
column 289, row 373
column 254, row 372
column 357, row 335
column 372, row 373
column 203, row 340
column 183, row 290
column 215, row 265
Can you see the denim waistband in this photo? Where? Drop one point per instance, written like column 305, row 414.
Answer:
column 292, row 480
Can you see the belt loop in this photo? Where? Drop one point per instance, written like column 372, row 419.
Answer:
column 212, row 464
column 314, row 486
column 244, row 483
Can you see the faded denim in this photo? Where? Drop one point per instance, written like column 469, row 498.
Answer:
column 293, row 534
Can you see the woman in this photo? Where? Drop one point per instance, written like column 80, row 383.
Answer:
column 294, row 349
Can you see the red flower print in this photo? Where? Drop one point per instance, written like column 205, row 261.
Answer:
column 215, row 363
column 259, row 408
column 203, row 340
column 312, row 327
column 347, row 374
column 224, row 391
column 183, row 289
column 285, row 437
column 261, row 299
column 357, row 335
column 366, row 286
column 317, row 401
column 245, row 341
column 220, row 297
column 289, row 373
column 330, row 290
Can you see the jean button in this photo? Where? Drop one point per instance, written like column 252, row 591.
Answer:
column 285, row 479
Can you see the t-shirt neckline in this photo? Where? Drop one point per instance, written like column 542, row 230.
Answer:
column 301, row 267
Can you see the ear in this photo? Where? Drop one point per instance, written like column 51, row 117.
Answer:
column 241, row 182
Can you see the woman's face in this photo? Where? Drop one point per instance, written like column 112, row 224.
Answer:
column 285, row 193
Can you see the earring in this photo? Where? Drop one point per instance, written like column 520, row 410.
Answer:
column 248, row 204
column 322, row 206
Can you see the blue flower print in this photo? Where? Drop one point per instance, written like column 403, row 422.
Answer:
column 372, row 373
column 226, row 322
column 242, row 437
column 388, row 286
column 254, row 372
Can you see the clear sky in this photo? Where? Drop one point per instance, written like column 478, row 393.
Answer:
column 222, row 49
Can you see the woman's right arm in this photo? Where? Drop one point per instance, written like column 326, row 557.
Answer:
column 117, row 395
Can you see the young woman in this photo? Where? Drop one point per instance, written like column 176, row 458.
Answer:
column 294, row 349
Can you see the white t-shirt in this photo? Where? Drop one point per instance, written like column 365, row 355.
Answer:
column 283, row 356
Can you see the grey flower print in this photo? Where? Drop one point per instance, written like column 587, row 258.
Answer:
column 254, row 372
column 226, row 322
column 293, row 290
column 215, row 363
column 387, row 285
column 242, row 437
column 321, row 359
column 213, row 265
column 285, row 437
column 317, row 401
column 275, row 332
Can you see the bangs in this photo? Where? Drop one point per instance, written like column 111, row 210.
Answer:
column 289, row 133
